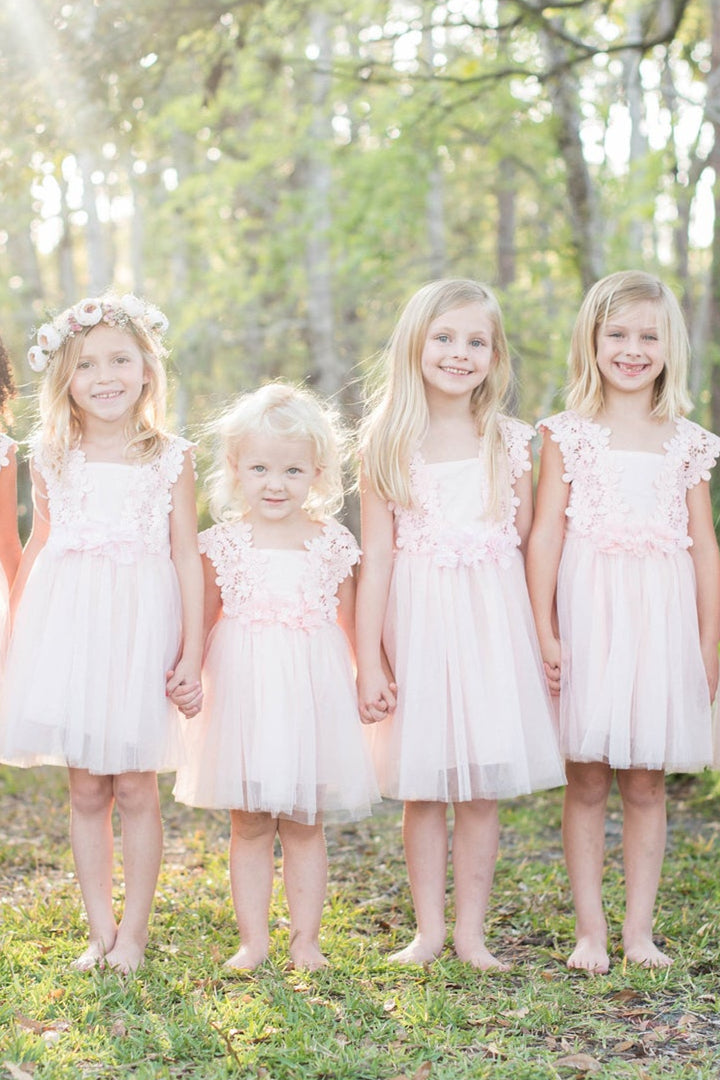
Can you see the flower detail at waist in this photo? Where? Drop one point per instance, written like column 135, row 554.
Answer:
column 273, row 612
column 465, row 547
column 624, row 539
column 120, row 547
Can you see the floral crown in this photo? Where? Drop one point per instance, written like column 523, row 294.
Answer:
column 111, row 310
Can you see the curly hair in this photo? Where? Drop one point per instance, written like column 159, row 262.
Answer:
column 7, row 380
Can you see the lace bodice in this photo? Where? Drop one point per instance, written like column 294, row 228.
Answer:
column 79, row 512
column 263, row 586
column 447, row 517
column 609, row 505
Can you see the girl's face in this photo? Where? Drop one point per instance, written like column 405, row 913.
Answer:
column 458, row 352
column 630, row 355
column 276, row 475
column 109, row 376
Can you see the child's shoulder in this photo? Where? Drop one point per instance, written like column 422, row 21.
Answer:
column 224, row 537
column 513, row 428
column 699, row 449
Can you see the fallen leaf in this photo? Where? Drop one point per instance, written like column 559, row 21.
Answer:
column 16, row 1072
column 389, row 1005
column 118, row 1030
column 424, row 1071
column 581, row 1062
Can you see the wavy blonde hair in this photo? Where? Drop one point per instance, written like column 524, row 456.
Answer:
column 398, row 418
column 282, row 411
column 604, row 302
column 60, row 425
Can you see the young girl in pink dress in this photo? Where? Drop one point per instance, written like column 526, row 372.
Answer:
column 279, row 741
column 448, row 659
column 624, row 572
column 9, row 541
column 107, row 600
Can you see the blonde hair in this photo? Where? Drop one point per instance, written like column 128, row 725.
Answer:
column 398, row 418
column 608, row 297
column 284, row 412
column 60, row 426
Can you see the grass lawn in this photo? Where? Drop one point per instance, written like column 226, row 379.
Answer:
column 184, row 1016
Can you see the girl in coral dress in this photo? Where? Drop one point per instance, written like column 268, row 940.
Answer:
column 107, row 600
column 279, row 741
column 624, row 572
column 448, row 660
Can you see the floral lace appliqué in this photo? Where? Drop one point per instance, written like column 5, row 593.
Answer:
column 5, row 443
column 597, row 509
column 241, row 573
column 143, row 521
column 423, row 528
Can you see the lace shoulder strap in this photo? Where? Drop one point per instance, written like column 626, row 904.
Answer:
column 517, row 436
column 580, row 440
column 172, row 456
column 700, row 450
column 339, row 551
column 5, row 444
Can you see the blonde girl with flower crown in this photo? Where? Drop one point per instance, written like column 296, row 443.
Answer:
column 107, row 603
column 278, row 742
column 624, row 574
column 9, row 540
column 448, row 661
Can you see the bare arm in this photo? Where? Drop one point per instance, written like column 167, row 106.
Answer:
column 346, row 595
column 543, row 555
column 10, row 549
column 186, row 557
column 36, row 541
column 524, row 513
column 706, row 560
column 376, row 689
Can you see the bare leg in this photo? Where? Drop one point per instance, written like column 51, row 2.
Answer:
column 425, row 838
column 474, row 853
column 644, row 833
column 252, row 840
column 91, row 838
column 586, row 797
column 136, row 798
column 305, row 877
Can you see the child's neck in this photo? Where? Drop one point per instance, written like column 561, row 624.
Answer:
column 290, row 534
column 99, row 445
column 632, row 425
column 451, row 434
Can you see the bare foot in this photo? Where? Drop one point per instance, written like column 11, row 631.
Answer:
column 307, row 956
column 643, row 950
column 247, row 958
column 590, row 954
column 126, row 956
column 94, row 955
column 478, row 955
column 419, row 951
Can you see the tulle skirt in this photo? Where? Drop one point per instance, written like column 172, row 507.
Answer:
column 279, row 731
column 85, row 673
column 474, row 719
column 634, row 692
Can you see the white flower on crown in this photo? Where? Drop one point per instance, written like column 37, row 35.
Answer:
column 88, row 312
column 156, row 319
column 49, row 338
column 133, row 306
column 37, row 358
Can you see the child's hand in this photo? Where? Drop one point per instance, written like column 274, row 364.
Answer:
column 185, row 694
column 551, row 664
column 377, row 697
column 710, row 660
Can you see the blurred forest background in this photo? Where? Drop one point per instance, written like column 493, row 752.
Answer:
column 280, row 175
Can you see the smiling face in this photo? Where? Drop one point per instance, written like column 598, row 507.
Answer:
column 109, row 376
column 630, row 354
column 458, row 352
column 275, row 475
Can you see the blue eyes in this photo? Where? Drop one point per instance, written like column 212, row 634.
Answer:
column 444, row 339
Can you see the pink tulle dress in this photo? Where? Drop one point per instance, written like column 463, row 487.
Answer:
column 6, row 444
column 634, row 692
column 99, row 622
column 474, row 719
column 279, row 731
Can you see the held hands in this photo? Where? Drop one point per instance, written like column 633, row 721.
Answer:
column 377, row 696
column 551, row 664
column 184, row 689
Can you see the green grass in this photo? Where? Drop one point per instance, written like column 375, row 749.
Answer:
column 183, row 1015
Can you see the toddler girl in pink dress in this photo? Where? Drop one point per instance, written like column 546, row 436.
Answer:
column 278, row 741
